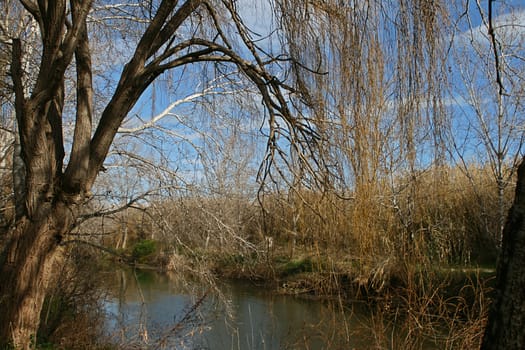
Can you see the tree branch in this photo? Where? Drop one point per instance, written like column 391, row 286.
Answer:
column 58, row 51
column 76, row 172
column 495, row 45
column 134, row 80
column 174, row 23
column 127, row 205
column 16, row 76
column 138, row 75
column 32, row 8
column 100, row 247
column 167, row 111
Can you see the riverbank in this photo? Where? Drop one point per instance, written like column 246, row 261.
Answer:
column 444, row 305
column 427, row 301
column 322, row 274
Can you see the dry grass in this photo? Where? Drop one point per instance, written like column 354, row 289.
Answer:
column 73, row 317
column 439, row 216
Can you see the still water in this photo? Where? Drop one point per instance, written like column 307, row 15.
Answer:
column 147, row 308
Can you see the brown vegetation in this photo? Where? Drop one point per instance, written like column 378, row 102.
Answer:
column 429, row 287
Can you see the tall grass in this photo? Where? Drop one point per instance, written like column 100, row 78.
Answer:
column 439, row 216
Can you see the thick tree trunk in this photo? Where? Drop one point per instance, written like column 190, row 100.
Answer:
column 29, row 261
column 506, row 325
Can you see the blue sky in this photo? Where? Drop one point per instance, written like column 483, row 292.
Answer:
column 475, row 92
column 198, row 137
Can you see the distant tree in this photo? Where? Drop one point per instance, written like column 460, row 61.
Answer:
column 489, row 86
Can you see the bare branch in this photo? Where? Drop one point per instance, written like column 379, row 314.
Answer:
column 99, row 247
column 20, row 101
column 32, row 7
column 127, row 205
column 168, row 110
column 495, row 46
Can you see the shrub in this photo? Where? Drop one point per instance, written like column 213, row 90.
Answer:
column 144, row 249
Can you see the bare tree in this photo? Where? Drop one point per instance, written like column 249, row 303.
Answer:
column 488, row 92
column 173, row 35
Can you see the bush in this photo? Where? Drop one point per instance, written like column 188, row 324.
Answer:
column 144, row 249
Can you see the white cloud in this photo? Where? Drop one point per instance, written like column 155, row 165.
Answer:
column 509, row 29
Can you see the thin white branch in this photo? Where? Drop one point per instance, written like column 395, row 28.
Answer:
column 167, row 112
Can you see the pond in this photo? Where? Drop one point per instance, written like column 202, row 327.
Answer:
column 162, row 311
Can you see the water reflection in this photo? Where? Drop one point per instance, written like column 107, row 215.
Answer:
column 150, row 308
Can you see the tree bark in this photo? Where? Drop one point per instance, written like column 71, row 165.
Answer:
column 506, row 325
column 32, row 253
column 19, row 176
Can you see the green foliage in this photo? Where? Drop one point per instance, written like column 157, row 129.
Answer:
column 46, row 346
column 297, row 266
column 143, row 249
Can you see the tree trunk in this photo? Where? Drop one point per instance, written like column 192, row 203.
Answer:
column 19, row 177
column 29, row 260
column 506, row 325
